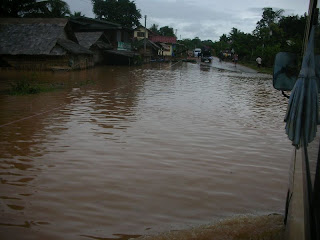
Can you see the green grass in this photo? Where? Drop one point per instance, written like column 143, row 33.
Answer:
column 25, row 87
column 31, row 85
column 267, row 70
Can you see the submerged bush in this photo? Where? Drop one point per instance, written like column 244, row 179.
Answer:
column 33, row 85
column 30, row 85
column 24, row 86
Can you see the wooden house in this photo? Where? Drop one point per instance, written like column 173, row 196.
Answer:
column 97, row 42
column 118, row 36
column 151, row 52
column 41, row 44
column 139, row 40
column 167, row 45
column 139, row 32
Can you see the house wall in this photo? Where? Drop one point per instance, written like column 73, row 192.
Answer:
column 98, row 56
column 167, row 52
column 81, row 61
column 126, row 36
column 149, row 52
column 138, row 31
column 119, row 37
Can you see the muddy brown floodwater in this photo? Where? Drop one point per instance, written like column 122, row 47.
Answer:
column 119, row 152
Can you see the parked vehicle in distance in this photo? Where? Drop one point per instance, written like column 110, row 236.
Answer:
column 206, row 55
column 196, row 52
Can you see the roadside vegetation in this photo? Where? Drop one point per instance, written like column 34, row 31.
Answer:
column 253, row 65
column 273, row 33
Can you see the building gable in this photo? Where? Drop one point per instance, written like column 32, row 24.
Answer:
column 34, row 36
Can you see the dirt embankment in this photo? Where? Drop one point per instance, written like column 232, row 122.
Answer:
column 268, row 227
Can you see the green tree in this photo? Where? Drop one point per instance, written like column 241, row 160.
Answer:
column 154, row 28
column 166, row 31
column 77, row 14
column 292, row 28
column 123, row 12
column 224, row 38
column 269, row 17
column 33, row 8
column 222, row 44
column 273, row 33
column 241, row 43
column 187, row 42
column 54, row 9
column 207, row 43
column 268, row 35
column 196, row 42
column 16, row 8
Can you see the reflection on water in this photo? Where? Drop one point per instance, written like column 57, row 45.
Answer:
column 141, row 150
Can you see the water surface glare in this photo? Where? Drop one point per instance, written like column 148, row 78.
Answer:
column 125, row 151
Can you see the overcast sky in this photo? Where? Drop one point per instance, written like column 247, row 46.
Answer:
column 206, row 19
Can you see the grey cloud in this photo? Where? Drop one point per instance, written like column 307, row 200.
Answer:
column 181, row 10
column 207, row 19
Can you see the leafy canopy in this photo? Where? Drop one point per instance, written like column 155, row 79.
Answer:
column 166, row 31
column 34, row 8
column 154, row 28
column 123, row 12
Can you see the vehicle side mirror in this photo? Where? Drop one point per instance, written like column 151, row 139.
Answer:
column 317, row 66
column 285, row 71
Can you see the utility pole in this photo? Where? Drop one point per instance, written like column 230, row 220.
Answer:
column 145, row 34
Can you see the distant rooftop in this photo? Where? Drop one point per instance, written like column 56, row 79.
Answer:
column 163, row 39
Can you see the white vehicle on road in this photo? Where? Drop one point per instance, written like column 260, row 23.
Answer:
column 196, row 52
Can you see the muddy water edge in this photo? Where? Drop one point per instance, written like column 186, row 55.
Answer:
column 118, row 152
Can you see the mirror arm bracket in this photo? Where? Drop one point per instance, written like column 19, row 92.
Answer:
column 284, row 94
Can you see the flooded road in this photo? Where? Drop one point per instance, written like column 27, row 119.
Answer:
column 119, row 152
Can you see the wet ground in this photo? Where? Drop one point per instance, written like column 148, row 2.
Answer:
column 119, row 152
column 229, row 66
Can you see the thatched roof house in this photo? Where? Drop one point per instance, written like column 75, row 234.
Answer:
column 41, row 43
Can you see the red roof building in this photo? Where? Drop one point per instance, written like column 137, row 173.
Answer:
column 163, row 39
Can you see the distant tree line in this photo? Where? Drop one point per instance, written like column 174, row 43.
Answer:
column 273, row 33
column 163, row 31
